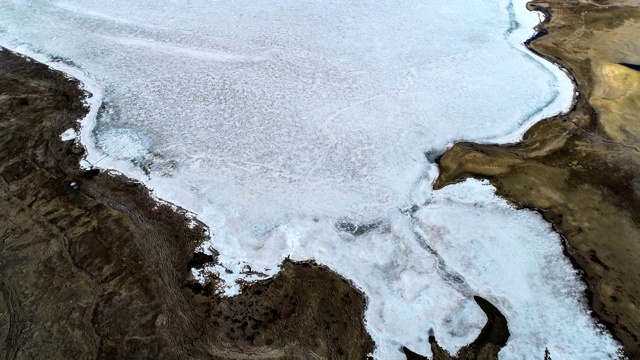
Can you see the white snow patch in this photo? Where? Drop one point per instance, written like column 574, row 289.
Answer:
column 69, row 134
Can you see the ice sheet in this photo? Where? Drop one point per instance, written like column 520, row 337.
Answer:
column 283, row 124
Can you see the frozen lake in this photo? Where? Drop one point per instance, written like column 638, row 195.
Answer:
column 285, row 124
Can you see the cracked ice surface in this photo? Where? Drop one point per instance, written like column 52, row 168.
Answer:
column 276, row 120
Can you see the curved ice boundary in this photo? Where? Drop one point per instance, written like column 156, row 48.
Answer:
column 299, row 129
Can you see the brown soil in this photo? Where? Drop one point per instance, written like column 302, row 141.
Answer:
column 101, row 272
column 581, row 171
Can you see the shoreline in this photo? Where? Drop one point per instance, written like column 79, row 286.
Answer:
column 94, row 156
column 112, row 262
column 117, row 174
column 126, row 169
column 100, row 271
column 129, row 299
column 577, row 146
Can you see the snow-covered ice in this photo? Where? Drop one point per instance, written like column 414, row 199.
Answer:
column 68, row 135
column 278, row 121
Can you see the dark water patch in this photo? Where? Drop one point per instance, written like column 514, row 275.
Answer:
column 433, row 155
column 410, row 210
column 545, row 11
column 64, row 60
column 247, row 270
column 631, row 66
column 538, row 35
column 200, row 259
column 357, row 229
column 513, row 23
column 450, row 276
column 91, row 173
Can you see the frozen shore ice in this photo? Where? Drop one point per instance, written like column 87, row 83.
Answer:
column 274, row 121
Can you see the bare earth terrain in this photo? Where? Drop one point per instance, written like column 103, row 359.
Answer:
column 102, row 271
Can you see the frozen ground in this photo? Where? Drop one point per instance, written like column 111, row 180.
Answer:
column 284, row 125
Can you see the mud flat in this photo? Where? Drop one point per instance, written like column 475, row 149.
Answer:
column 581, row 170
